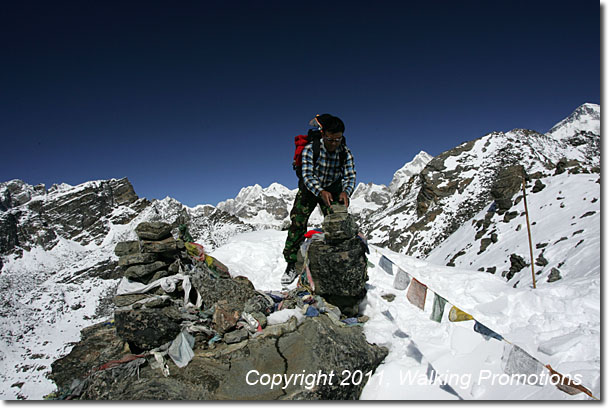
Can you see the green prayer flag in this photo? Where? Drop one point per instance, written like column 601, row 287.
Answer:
column 438, row 308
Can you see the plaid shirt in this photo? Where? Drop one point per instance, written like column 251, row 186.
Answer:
column 328, row 169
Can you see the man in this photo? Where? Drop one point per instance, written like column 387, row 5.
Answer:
column 328, row 179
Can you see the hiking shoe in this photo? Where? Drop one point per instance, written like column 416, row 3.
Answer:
column 290, row 274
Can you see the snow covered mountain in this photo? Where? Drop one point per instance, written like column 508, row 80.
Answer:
column 263, row 207
column 59, row 271
column 459, row 183
column 270, row 207
column 463, row 208
column 414, row 167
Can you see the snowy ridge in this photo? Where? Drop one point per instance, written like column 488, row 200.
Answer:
column 457, row 184
column 550, row 330
column 585, row 118
column 262, row 207
column 50, row 293
column 414, row 167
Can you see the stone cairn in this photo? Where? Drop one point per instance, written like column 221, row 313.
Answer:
column 184, row 328
column 337, row 261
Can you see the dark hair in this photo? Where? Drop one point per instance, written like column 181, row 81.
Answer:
column 330, row 123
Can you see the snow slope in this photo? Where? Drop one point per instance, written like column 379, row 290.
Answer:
column 556, row 324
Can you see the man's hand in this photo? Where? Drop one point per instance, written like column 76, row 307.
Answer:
column 344, row 199
column 326, row 197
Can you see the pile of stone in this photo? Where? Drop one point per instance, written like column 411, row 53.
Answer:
column 338, row 262
column 155, row 255
column 214, row 329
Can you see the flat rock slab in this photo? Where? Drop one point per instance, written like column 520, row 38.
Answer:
column 153, row 231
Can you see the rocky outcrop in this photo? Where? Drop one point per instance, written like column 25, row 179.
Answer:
column 214, row 328
column 34, row 216
column 459, row 183
column 306, row 361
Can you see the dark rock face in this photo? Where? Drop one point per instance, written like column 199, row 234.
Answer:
column 506, row 185
column 34, row 216
column 99, row 344
column 516, row 264
column 235, row 292
column 147, row 328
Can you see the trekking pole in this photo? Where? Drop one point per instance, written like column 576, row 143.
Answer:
column 529, row 233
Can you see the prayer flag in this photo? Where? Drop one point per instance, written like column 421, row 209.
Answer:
column 417, row 293
column 486, row 332
column 401, row 280
column 457, row 315
column 386, row 264
column 566, row 385
column 438, row 308
column 517, row 361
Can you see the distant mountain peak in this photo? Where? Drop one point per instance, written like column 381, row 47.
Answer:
column 411, row 168
column 584, row 119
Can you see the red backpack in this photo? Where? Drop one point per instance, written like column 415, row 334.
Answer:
column 315, row 136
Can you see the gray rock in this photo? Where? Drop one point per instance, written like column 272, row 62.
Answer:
column 127, row 248
column 147, row 328
column 516, row 264
column 166, row 245
column 236, row 336
column 554, row 276
column 541, row 260
column 339, row 272
column 485, row 242
column 538, row 186
column 153, row 231
column 338, row 269
column 137, row 259
column 510, row 215
column 126, row 300
column 235, row 291
column 139, row 271
column 339, row 226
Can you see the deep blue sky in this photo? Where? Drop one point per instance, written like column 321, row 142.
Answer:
column 197, row 99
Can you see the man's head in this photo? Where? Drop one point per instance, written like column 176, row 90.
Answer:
column 332, row 130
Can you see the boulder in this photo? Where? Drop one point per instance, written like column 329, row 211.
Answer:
column 225, row 317
column 554, row 276
column 338, row 264
column 235, row 291
column 147, row 328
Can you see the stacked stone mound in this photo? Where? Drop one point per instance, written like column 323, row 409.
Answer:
column 224, row 321
column 338, row 264
column 156, row 254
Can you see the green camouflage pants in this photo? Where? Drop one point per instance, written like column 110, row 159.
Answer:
column 304, row 204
